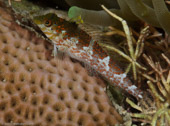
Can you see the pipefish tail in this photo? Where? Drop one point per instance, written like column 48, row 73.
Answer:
column 78, row 44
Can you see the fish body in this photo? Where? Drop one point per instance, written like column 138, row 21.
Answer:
column 70, row 39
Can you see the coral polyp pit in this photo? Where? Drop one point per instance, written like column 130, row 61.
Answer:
column 37, row 89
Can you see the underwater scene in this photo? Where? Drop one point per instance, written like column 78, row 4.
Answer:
column 85, row 63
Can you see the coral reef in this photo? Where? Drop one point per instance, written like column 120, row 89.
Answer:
column 37, row 89
column 156, row 14
column 153, row 108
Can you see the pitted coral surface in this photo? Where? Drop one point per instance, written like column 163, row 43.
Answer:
column 38, row 90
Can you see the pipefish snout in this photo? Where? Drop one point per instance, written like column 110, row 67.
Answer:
column 78, row 44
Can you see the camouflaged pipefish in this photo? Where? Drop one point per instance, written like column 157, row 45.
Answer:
column 70, row 39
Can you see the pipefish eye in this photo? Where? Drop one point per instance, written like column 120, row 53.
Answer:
column 48, row 23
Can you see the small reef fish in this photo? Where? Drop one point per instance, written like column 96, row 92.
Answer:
column 67, row 37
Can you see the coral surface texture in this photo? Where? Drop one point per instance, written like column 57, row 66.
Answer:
column 38, row 89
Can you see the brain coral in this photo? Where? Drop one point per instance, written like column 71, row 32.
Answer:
column 36, row 89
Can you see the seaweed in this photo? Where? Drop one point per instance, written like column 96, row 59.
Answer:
column 154, row 12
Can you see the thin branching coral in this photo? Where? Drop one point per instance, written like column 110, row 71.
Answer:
column 156, row 14
column 134, row 55
column 159, row 86
column 160, row 90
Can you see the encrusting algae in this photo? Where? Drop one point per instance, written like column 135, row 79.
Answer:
column 67, row 37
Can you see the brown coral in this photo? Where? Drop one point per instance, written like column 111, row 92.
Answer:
column 38, row 90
